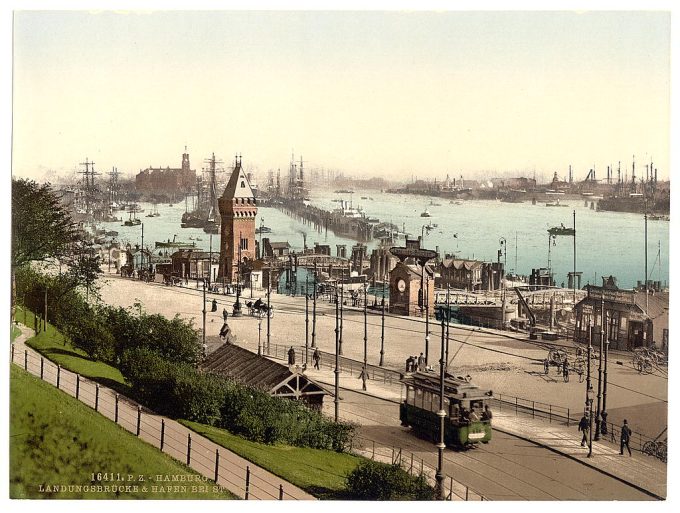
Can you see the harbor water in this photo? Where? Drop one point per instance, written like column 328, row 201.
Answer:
column 607, row 243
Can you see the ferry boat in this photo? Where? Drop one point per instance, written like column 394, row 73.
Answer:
column 426, row 213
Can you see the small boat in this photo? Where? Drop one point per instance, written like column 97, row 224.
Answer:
column 432, row 203
column 556, row 203
column 426, row 214
column 561, row 230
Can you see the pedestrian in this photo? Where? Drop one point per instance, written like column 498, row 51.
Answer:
column 486, row 414
column 603, row 423
column 625, row 437
column 421, row 362
column 317, row 359
column 291, row 356
column 225, row 314
column 473, row 415
column 583, row 426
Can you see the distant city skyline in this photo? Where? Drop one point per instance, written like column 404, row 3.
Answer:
column 391, row 94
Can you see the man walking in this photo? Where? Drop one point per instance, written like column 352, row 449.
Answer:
column 421, row 362
column 625, row 437
column 317, row 359
column 583, row 426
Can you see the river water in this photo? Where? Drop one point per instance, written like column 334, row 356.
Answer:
column 608, row 243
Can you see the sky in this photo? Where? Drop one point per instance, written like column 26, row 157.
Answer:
column 390, row 93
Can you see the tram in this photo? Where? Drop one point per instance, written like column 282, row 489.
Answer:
column 462, row 427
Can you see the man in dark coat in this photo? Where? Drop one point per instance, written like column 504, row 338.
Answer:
column 626, row 432
column 291, row 356
column 583, row 426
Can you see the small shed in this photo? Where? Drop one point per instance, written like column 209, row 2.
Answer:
column 259, row 372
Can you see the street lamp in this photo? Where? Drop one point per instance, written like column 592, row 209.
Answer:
column 590, row 394
column 259, row 332
column 364, row 371
column 382, row 324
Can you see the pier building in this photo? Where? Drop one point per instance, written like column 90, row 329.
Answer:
column 238, row 209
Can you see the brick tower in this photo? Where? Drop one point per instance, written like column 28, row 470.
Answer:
column 237, row 211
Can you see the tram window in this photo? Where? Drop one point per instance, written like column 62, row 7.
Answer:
column 408, row 393
column 426, row 400
column 418, row 399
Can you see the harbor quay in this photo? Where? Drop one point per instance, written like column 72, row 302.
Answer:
column 509, row 364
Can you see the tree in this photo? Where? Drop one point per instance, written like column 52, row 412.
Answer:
column 41, row 226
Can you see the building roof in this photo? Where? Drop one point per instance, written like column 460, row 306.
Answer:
column 461, row 264
column 279, row 245
column 259, row 372
column 192, row 254
column 415, row 269
column 238, row 185
column 658, row 303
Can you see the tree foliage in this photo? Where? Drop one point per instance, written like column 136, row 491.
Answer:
column 41, row 226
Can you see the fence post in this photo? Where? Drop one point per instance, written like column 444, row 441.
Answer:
column 217, row 465
column 42, row 367
column 451, row 488
column 13, row 351
column 139, row 418
column 77, row 386
column 25, row 359
column 410, row 470
column 188, row 449
column 162, row 434
column 247, row 482
column 392, row 455
column 550, row 413
column 58, row 375
column 96, row 397
column 373, row 455
column 280, row 492
column 467, row 493
column 115, row 415
column 568, row 417
column 421, row 466
column 533, row 409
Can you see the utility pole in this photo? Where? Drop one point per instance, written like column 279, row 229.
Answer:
column 427, row 317
column 45, row 323
column 342, row 300
column 306, row 315
column 210, row 263
column 314, row 312
column 448, row 323
column 364, row 371
column 589, row 392
column 204, row 312
column 382, row 325
column 439, row 476
column 142, row 258
column 337, row 358
column 598, row 415
column 269, row 309
column 573, row 278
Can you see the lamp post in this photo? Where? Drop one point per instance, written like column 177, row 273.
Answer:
column 427, row 317
column 337, row 358
column 342, row 300
column 364, row 370
column 306, row 315
column 259, row 332
column 439, row 476
column 314, row 311
column 598, row 415
column 589, row 401
column 382, row 325
column 204, row 313
column 237, row 304
column 269, row 309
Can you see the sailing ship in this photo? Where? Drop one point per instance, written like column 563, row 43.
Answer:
column 133, row 220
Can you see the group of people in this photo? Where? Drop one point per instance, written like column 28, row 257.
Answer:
column 472, row 415
column 626, row 432
column 415, row 363
column 316, row 357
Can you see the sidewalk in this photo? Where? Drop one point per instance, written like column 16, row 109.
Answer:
column 640, row 471
column 202, row 455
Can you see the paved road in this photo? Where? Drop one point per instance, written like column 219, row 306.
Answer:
column 496, row 362
column 508, row 468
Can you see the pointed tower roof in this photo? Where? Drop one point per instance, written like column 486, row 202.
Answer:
column 238, row 186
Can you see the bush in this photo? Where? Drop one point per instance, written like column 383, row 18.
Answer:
column 372, row 480
column 90, row 335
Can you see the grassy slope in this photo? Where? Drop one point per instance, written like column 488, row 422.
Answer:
column 54, row 346
column 321, row 473
column 14, row 333
column 56, row 440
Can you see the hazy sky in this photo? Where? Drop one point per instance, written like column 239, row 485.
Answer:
column 381, row 93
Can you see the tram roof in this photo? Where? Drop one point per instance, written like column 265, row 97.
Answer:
column 456, row 387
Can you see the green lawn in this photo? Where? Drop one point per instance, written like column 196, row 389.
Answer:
column 54, row 346
column 320, row 473
column 14, row 333
column 57, row 440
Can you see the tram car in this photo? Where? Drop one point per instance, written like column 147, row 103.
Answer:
column 463, row 428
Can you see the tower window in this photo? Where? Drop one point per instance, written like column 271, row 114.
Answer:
column 244, row 243
column 243, row 184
